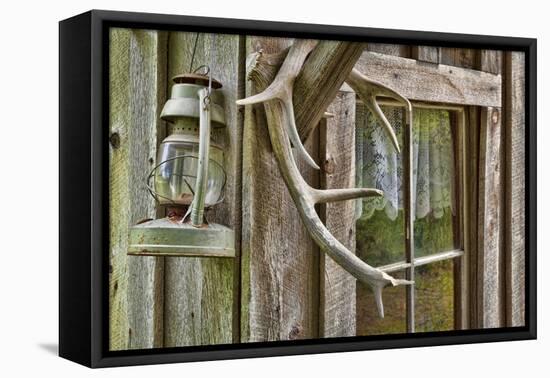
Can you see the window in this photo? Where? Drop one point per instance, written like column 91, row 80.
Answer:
column 433, row 258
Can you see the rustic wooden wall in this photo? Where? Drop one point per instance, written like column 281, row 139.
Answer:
column 280, row 287
column 337, row 307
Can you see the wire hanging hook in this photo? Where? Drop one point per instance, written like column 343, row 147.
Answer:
column 194, row 51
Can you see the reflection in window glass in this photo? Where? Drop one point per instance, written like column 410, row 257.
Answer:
column 434, row 297
column 378, row 165
column 380, row 225
column 380, row 240
column 394, row 321
column 433, row 235
column 433, row 182
column 380, row 221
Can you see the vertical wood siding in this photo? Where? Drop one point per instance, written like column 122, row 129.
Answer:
column 489, row 220
column 279, row 261
column 138, row 87
column 337, row 287
column 515, row 188
column 199, row 304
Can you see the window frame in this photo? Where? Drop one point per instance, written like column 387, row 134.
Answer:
column 457, row 255
column 476, row 90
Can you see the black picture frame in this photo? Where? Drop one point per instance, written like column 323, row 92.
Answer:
column 83, row 196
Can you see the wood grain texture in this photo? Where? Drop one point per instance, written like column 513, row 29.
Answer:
column 137, row 79
column 200, row 293
column 403, row 51
column 490, row 61
column 490, row 218
column 279, row 265
column 459, row 57
column 428, row 54
column 471, row 178
column 337, row 310
column 515, row 188
column 425, row 82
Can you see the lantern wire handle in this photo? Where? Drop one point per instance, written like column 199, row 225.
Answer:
column 157, row 195
column 197, row 205
column 194, row 51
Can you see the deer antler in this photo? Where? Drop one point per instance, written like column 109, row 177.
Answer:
column 281, row 89
column 304, row 196
column 368, row 90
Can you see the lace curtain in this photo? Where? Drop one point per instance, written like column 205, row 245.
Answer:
column 379, row 166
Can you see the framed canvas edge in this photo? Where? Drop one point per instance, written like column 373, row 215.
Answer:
column 96, row 325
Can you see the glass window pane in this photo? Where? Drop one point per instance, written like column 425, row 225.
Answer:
column 434, row 297
column 394, row 321
column 381, row 240
column 434, row 210
column 380, row 221
column 433, row 235
column 433, row 182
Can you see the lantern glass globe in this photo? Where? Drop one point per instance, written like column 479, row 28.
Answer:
column 176, row 174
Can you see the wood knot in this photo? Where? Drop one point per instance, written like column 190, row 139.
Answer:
column 294, row 332
column 329, row 165
column 114, row 139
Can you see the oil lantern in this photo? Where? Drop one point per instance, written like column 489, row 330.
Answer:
column 189, row 176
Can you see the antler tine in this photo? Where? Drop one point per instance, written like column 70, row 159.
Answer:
column 305, row 197
column 333, row 195
column 368, row 90
column 281, row 89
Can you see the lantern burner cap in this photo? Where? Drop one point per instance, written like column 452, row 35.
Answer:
column 198, row 79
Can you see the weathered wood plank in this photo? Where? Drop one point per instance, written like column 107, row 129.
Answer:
column 337, row 310
column 403, row 51
column 471, row 166
column 422, row 82
column 137, row 91
column 428, row 54
column 458, row 57
column 279, row 265
column 490, row 61
column 490, row 254
column 489, row 218
column 199, row 293
column 515, row 188
column 119, row 41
